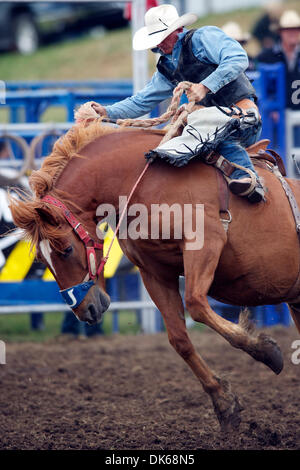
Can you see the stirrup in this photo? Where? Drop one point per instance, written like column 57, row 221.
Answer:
column 257, row 195
column 240, row 187
column 252, row 189
column 246, row 188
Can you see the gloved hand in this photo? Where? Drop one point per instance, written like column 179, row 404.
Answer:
column 99, row 109
column 89, row 111
column 196, row 92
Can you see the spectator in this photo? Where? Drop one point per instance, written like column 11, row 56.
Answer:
column 266, row 28
column 233, row 30
column 287, row 51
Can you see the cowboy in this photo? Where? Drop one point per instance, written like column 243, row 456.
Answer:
column 215, row 64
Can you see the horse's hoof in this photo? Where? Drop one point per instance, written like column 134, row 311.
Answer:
column 267, row 351
column 227, row 408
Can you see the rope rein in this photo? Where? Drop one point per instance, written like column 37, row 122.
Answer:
column 171, row 111
column 177, row 114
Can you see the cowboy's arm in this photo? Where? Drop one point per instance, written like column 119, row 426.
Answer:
column 157, row 90
column 210, row 44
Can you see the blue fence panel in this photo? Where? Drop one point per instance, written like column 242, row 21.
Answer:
column 27, row 101
column 38, row 292
column 30, row 292
column 263, row 316
column 269, row 84
column 68, row 84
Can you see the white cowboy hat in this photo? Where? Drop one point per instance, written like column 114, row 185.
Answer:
column 234, row 31
column 160, row 22
column 289, row 20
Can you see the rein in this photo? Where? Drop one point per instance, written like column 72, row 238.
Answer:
column 124, row 212
column 177, row 114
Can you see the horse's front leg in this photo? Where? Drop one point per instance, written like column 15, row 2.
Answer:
column 167, row 298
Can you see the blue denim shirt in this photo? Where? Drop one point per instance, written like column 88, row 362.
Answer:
column 210, row 45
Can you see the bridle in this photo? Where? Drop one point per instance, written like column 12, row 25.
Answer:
column 74, row 295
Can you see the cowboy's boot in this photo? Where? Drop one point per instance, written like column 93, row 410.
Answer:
column 244, row 187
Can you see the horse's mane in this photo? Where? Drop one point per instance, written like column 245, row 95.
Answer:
column 38, row 219
column 64, row 149
column 68, row 147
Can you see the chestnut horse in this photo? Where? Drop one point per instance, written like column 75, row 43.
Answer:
column 255, row 262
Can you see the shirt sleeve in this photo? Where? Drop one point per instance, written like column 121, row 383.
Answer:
column 210, row 44
column 157, row 90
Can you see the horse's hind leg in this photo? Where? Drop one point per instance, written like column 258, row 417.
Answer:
column 199, row 268
column 168, row 300
column 295, row 312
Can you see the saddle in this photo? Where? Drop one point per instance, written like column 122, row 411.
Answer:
column 258, row 153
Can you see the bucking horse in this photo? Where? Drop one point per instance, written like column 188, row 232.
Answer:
column 250, row 254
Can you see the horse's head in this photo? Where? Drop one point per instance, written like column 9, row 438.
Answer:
column 68, row 248
column 69, row 251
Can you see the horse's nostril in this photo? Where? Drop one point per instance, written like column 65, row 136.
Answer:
column 105, row 300
column 93, row 312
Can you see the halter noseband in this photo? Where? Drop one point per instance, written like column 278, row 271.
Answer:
column 74, row 295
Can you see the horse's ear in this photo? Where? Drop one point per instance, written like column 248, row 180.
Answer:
column 27, row 214
column 46, row 215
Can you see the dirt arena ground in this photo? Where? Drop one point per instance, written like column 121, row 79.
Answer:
column 134, row 392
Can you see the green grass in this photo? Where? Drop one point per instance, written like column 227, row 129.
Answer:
column 16, row 327
column 82, row 58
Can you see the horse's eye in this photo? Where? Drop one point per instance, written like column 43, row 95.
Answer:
column 67, row 251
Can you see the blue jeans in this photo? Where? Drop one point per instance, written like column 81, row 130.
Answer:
column 234, row 149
